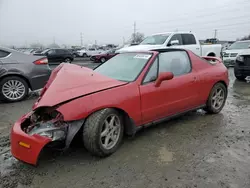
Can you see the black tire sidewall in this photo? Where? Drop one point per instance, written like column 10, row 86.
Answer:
column 67, row 59
column 6, row 79
column 92, row 130
column 210, row 107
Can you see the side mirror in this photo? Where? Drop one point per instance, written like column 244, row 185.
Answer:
column 174, row 42
column 163, row 76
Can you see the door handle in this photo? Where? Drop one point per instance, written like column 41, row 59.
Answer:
column 194, row 79
column 197, row 48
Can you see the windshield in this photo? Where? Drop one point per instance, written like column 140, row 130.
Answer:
column 239, row 45
column 155, row 39
column 124, row 67
column 44, row 51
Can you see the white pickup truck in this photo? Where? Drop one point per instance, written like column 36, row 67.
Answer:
column 185, row 40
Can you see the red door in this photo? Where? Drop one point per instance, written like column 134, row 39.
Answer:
column 173, row 96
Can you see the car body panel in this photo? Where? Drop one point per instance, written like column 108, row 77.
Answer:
column 98, row 57
column 77, row 92
column 243, row 68
column 36, row 143
column 20, row 64
column 74, row 81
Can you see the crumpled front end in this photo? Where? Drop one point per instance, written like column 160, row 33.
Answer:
column 44, row 126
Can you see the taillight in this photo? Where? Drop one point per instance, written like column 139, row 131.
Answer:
column 43, row 61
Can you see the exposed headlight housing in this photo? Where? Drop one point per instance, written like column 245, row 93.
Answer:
column 49, row 130
column 240, row 58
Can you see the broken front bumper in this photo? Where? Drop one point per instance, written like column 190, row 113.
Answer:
column 25, row 147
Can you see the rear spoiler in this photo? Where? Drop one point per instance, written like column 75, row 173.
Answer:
column 209, row 58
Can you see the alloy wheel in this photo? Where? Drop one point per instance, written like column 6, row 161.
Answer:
column 13, row 89
column 110, row 132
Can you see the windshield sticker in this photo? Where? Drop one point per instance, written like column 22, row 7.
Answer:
column 142, row 56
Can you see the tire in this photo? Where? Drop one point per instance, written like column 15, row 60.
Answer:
column 210, row 107
column 93, row 128
column 102, row 60
column 84, row 55
column 67, row 60
column 7, row 82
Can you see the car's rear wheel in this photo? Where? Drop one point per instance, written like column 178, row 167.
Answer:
column 13, row 89
column 103, row 59
column 84, row 55
column 217, row 99
column 67, row 60
column 103, row 132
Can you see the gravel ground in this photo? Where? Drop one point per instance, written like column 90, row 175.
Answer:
column 195, row 150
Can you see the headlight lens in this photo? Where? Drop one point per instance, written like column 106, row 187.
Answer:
column 240, row 58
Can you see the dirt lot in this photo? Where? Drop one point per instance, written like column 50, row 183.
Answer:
column 195, row 150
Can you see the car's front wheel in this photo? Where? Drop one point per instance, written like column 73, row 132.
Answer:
column 67, row 60
column 217, row 99
column 103, row 132
column 13, row 89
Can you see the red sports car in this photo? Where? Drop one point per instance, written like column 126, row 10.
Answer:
column 103, row 57
column 130, row 91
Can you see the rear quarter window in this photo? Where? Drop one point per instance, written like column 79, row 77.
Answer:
column 3, row 54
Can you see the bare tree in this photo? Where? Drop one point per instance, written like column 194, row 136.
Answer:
column 37, row 45
column 246, row 38
column 137, row 37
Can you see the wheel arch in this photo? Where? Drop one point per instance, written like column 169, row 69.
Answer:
column 211, row 54
column 130, row 127
column 17, row 75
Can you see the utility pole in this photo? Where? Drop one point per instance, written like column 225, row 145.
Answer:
column 215, row 33
column 81, row 39
column 134, row 31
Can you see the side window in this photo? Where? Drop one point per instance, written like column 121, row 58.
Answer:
column 188, row 39
column 176, row 62
column 176, row 37
column 3, row 53
column 152, row 73
column 58, row 51
column 51, row 52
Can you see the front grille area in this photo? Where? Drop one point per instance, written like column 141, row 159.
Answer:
column 247, row 60
column 225, row 55
column 233, row 54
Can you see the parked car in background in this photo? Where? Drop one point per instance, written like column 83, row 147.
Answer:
column 185, row 40
column 82, row 52
column 73, row 52
column 103, row 57
column 93, row 51
column 57, row 56
column 128, row 92
column 229, row 55
column 20, row 72
column 242, row 65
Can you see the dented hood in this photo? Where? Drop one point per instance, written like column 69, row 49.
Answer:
column 73, row 81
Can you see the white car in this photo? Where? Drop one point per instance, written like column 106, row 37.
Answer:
column 185, row 40
column 92, row 51
column 82, row 52
column 229, row 55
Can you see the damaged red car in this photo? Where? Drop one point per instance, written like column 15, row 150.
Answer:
column 130, row 91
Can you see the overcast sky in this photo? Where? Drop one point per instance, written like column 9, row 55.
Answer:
column 108, row 21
